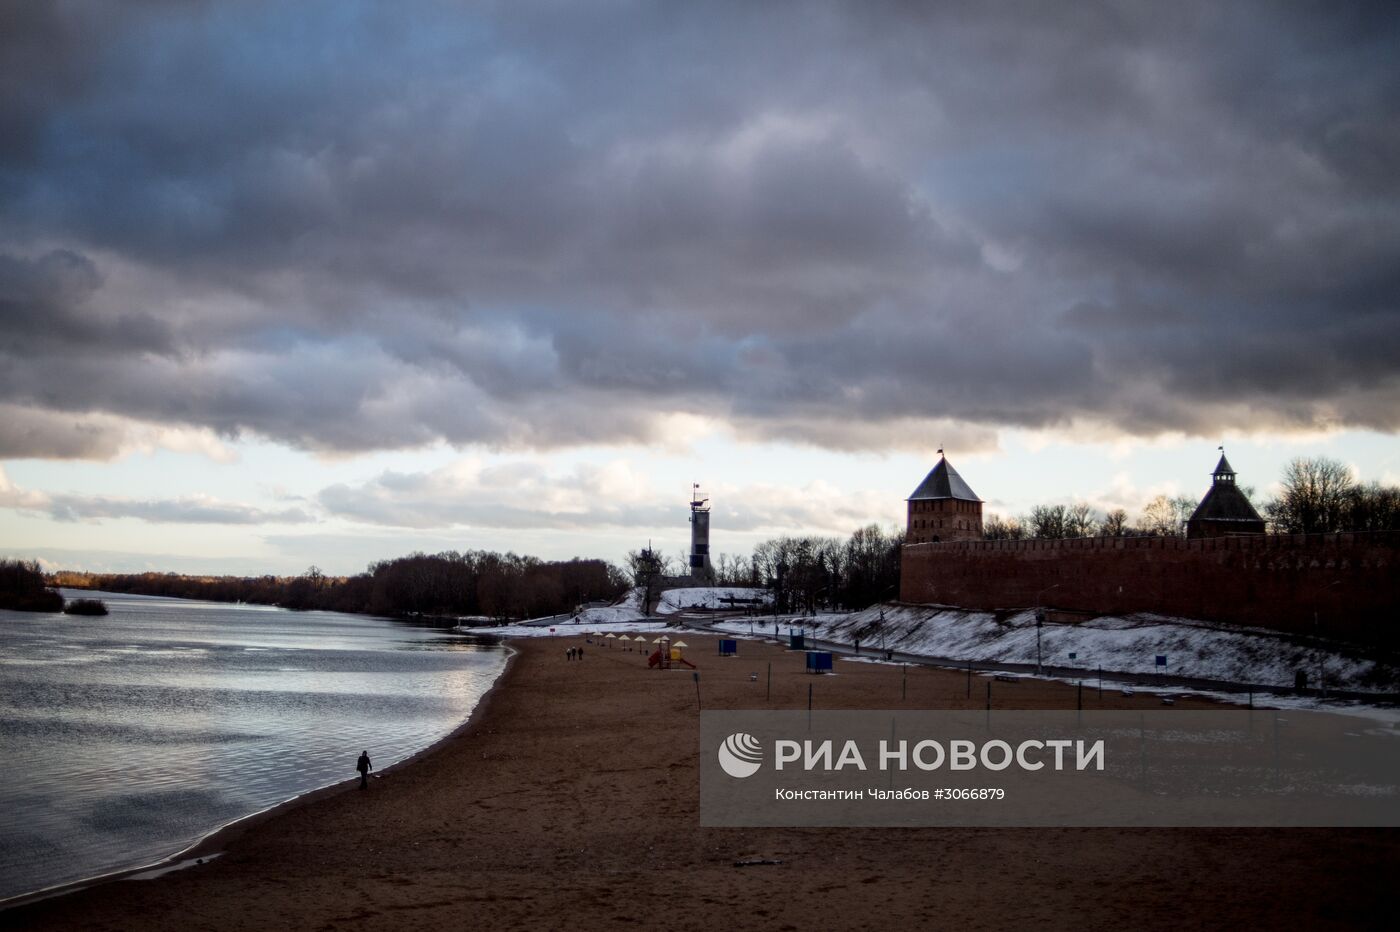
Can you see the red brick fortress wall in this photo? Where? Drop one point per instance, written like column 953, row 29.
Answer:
column 1351, row 581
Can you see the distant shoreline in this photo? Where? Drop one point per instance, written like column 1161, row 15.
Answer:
column 444, row 585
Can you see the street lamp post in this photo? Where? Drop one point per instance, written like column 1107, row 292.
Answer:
column 1317, row 636
column 1040, row 623
column 883, row 649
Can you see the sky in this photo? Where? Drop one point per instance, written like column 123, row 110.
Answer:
column 331, row 282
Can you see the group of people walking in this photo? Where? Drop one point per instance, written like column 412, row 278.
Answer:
column 573, row 653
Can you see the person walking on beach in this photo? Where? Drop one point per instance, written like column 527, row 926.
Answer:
column 364, row 767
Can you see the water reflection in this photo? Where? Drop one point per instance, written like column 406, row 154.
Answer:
column 130, row 736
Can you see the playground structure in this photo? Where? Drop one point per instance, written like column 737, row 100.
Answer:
column 668, row 655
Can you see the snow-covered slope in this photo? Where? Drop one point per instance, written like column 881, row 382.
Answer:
column 625, row 615
column 1131, row 645
column 711, row 597
column 565, row 628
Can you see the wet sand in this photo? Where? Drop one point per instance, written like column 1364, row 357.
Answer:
column 570, row 801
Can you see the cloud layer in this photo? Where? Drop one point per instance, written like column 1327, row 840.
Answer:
column 355, row 226
column 195, row 509
column 507, row 496
column 527, row 496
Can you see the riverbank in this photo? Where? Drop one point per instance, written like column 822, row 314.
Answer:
column 131, row 737
column 570, row 797
column 217, row 842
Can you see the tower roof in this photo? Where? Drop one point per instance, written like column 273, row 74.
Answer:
column 943, row 481
column 1225, row 502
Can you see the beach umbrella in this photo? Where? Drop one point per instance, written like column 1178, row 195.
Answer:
column 680, row 644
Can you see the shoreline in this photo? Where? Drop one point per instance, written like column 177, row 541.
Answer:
column 570, row 792
column 212, row 844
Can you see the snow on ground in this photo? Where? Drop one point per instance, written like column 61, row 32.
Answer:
column 609, row 615
column 564, row 629
column 711, row 597
column 624, row 615
column 1131, row 645
column 1389, row 716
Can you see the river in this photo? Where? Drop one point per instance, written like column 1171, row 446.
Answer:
column 124, row 739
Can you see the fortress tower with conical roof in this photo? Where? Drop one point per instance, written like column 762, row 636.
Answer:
column 1225, row 510
column 943, row 507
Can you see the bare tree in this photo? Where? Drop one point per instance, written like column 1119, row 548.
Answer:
column 869, row 566
column 1185, row 508
column 1049, row 522
column 23, row 588
column 1080, row 520
column 1373, row 507
column 1114, row 524
column 731, row 570
column 1314, row 497
column 647, row 566
column 1160, row 518
column 998, row 528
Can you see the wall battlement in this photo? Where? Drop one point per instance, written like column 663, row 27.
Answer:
column 1337, row 585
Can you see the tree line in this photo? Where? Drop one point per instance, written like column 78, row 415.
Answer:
column 802, row 573
column 23, row 588
column 476, row 583
column 1316, row 496
column 1319, row 496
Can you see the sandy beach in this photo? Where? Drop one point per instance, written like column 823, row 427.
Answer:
column 570, row 801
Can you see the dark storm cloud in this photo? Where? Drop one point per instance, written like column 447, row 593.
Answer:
column 353, row 226
column 44, row 306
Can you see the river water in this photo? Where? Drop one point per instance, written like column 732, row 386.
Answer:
column 126, row 738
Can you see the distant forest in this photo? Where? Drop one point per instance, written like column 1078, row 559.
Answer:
column 476, row 583
column 803, row 572
column 24, row 589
